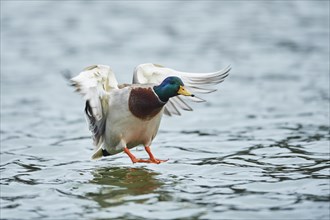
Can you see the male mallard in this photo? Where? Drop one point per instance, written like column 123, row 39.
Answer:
column 121, row 117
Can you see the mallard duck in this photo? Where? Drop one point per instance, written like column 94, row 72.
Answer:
column 121, row 117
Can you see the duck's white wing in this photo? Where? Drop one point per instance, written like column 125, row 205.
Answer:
column 194, row 82
column 94, row 84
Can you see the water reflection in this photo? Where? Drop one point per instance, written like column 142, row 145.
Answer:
column 121, row 184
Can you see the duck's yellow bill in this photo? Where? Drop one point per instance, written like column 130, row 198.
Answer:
column 183, row 91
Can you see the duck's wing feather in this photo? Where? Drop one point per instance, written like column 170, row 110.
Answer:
column 94, row 84
column 197, row 83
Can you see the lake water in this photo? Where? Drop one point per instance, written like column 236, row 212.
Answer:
column 258, row 149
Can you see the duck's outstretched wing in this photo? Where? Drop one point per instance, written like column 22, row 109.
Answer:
column 94, row 84
column 194, row 82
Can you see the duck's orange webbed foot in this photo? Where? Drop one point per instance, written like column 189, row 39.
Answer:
column 152, row 159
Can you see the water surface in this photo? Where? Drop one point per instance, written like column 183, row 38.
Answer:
column 258, row 149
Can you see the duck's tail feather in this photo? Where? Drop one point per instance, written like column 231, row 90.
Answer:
column 98, row 154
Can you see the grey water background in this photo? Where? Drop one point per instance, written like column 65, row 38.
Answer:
column 258, row 149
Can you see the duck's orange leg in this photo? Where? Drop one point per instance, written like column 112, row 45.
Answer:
column 133, row 158
column 152, row 159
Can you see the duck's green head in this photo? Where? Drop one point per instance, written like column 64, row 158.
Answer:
column 170, row 87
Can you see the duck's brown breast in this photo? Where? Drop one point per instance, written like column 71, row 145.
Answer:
column 144, row 103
